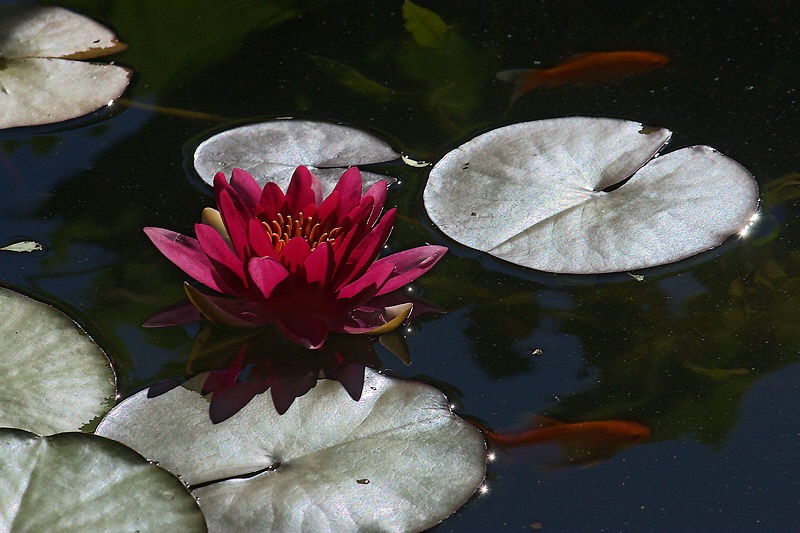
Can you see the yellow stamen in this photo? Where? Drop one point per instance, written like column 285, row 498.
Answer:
column 283, row 229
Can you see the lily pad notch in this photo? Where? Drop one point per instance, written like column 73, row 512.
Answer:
column 546, row 195
column 396, row 460
column 41, row 79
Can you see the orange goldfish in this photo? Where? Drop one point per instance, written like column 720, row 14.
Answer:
column 580, row 443
column 586, row 68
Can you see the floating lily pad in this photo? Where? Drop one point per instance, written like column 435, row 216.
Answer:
column 552, row 195
column 270, row 151
column 397, row 460
column 81, row 482
column 53, row 376
column 39, row 81
column 23, row 246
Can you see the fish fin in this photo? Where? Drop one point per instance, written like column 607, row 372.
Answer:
column 523, row 79
column 513, row 75
column 544, row 422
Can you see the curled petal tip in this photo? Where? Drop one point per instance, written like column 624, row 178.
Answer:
column 395, row 315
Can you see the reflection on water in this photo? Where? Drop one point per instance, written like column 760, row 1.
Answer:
column 705, row 355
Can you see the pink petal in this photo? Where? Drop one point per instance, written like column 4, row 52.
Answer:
column 247, row 188
column 318, row 266
column 260, row 244
column 271, row 202
column 378, row 192
column 306, row 330
column 220, row 183
column 330, row 210
column 359, row 214
column 235, row 222
column 186, row 253
column 266, row 273
column 294, row 254
column 409, row 265
column 355, row 229
column 349, row 186
column 227, row 264
column 368, row 249
column 304, row 189
column 361, row 290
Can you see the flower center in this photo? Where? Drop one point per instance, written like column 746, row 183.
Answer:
column 282, row 229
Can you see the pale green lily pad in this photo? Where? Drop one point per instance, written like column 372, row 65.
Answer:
column 546, row 195
column 397, row 460
column 84, row 483
column 38, row 84
column 53, row 376
column 23, row 246
column 270, row 151
column 50, row 31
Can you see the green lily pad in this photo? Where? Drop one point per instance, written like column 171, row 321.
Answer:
column 270, row 151
column 22, row 246
column 39, row 81
column 81, row 482
column 397, row 460
column 53, row 376
column 587, row 195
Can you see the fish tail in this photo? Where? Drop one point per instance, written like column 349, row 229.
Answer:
column 491, row 437
column 523, row 80
column 534, row 78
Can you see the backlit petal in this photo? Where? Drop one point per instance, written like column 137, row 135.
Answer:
column 235, row 222
column 266, row 273
column 349, row 187
column 362, row 289
column 330, row 211
column 186, row 253
column 318, row 266
column 294, row 254
column 302, row 190
column 219, row 252
column 247, row 188
column 271, row 202
column 367, row 250
column 378, row 192
column 260, row 244
column 410, row 264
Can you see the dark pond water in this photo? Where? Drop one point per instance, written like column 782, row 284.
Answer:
column 704, row 354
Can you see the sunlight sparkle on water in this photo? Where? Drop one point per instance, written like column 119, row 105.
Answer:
column 753, row 219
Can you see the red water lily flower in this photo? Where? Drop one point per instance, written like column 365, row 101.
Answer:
column 306, row 264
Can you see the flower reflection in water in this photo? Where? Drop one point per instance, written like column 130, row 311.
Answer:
column 239, row 364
